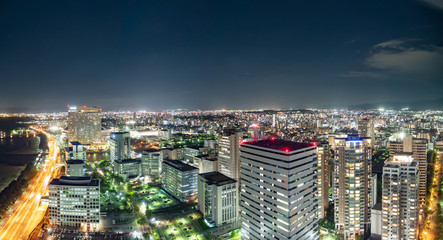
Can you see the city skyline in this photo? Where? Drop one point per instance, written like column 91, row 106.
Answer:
column 155, row 56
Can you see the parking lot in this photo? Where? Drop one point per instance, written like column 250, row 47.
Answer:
column 181, row 228
column 156, row 198
column 68, row 234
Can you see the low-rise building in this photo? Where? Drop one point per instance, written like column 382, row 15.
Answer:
column 75, row 168
column 128, row 169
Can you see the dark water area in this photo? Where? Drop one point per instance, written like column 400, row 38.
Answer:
column 19, row 149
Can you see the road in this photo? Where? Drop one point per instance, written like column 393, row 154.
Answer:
column 28, row 213
column 431, row 221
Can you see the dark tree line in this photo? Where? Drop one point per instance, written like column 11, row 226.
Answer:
column 13, row 191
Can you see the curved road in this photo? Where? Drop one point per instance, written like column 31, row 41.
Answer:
column 28, row 213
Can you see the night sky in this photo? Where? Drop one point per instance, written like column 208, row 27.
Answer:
column 154, row 55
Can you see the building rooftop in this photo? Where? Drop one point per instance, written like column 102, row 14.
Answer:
column 278, row 144
column 129, row 160
column 216, row 178
column 75, row 143
column 76, row 161
column 179, row 165
column 75, row 181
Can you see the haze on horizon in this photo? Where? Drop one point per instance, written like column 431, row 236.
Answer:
column 146, row 55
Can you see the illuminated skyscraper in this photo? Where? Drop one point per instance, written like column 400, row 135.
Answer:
column 400, row 198
column 278, row 190
column 417, row 147
column 120, row 146
column 84, row 124
column 351, row 186
column 229, row 153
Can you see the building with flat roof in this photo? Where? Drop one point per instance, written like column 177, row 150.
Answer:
column 84, row 124
column 352, row 186
column 279, row 190
column 229, row 153
column 75, row 168
column 74, row 202
column 400, row 197
column 76, row 151
column 151, row 163
column 128, row 169
column 120, row 146
column 417, row 147
column 218, row 198
column 179, row 179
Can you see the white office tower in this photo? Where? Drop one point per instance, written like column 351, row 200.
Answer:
column 120, row 146
column 323, row 157
column 400, row 198
column 229, row 153
column 76, row 151
column 75, row 168
column 352, row 186
column 218, row 198
column 417, row 147
column 75, row 202
column 84, row 124
column 279, row 190
column 180, row 179
column 151, row 163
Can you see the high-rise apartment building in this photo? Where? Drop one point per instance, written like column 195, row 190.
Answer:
column 366, row 128
column 417, row 147
column 278, row 190
column 229, row 153
column 218, row 198
column 180, row 179
column 352, row 186
column 75, row 202
column 120, row 146
column 323, row 158
column 84, row 124
column 400, row 198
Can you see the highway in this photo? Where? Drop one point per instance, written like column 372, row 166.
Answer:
column 28, row 213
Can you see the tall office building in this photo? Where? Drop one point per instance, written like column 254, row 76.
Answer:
column 84, row 124
column 417, row 147
column 218, row 198
column 278, row 190
column 400, row 198
column 151, row 163
column 120, row 146
column 229, row 153
column 75, row 202
column 180, row 179
column 323, row 158
column 352, row 186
